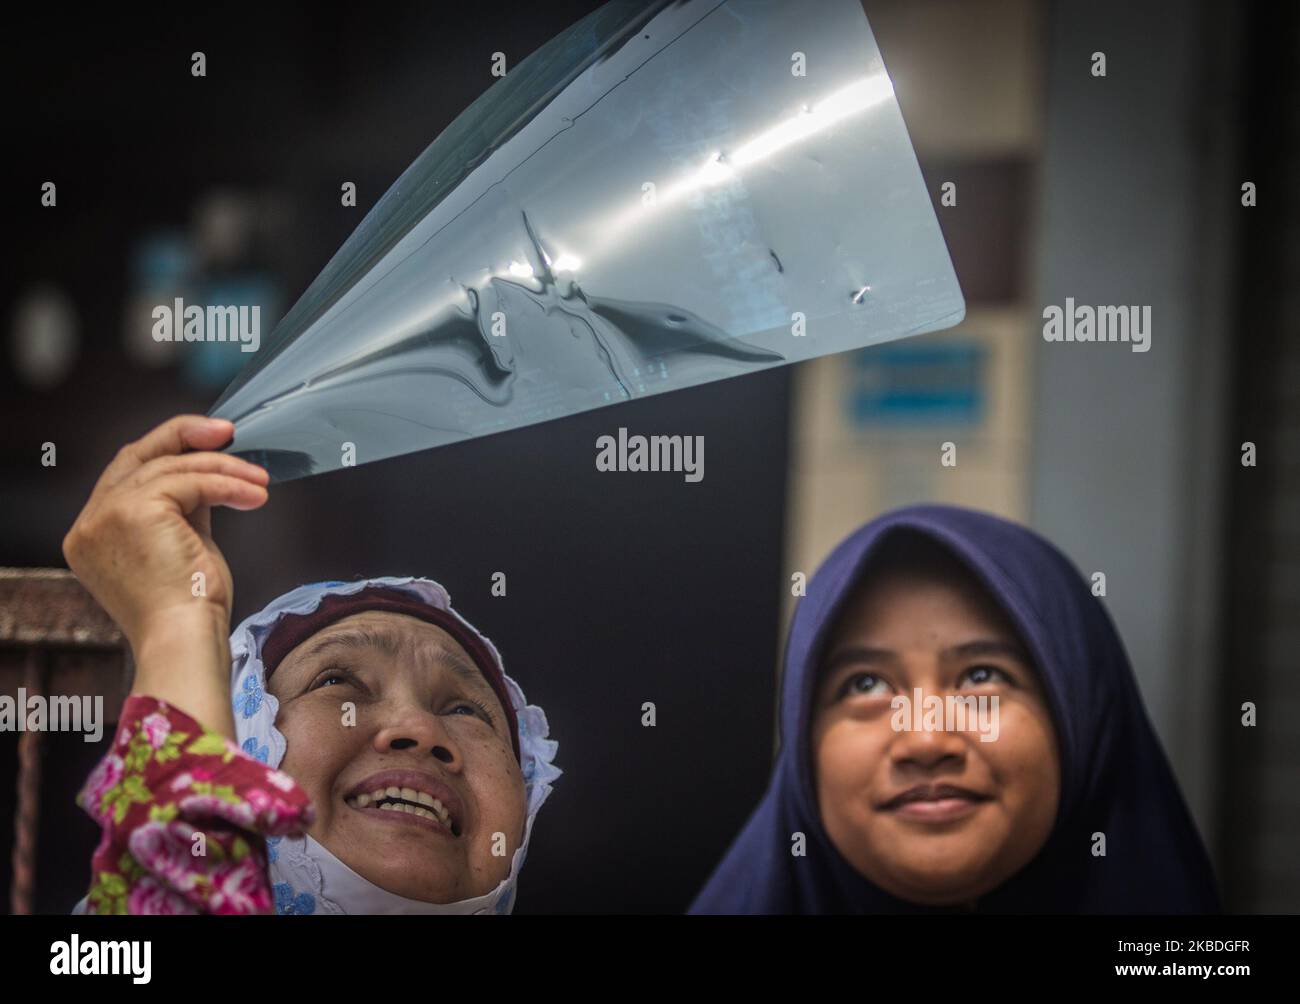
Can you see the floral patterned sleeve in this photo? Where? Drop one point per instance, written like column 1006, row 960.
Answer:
column 185, row 814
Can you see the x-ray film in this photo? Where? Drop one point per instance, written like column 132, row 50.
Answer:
column 664, row 195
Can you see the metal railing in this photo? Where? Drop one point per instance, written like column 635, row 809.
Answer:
column 54, row 640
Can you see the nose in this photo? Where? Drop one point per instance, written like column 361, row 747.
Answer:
column 417, row 730
column 928, row 750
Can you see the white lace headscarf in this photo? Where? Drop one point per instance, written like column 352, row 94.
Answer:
column 306, row 878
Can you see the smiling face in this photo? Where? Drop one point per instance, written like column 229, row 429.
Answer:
column 934, row 816
column 419, row 792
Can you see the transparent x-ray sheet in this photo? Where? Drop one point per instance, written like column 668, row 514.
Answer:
column 662, row 196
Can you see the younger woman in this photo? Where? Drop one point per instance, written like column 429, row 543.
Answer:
column 1056, row 797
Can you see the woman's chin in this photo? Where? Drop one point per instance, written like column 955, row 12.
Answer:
column 426, row 881
column 945, row 886
column 430, row 871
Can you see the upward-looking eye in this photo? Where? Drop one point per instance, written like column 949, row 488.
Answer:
column 469, row 706
column 984, row 675
column 333, row 676
column 863, row 684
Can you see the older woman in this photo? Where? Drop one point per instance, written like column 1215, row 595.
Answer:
column 354, row 747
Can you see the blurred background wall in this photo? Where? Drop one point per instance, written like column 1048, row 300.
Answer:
column 1117, row 190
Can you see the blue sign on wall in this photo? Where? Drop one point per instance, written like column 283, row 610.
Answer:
column 918, row 383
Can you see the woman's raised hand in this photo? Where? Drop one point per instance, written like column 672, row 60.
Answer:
column 143, row 547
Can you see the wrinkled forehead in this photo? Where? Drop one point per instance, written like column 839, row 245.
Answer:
column 392, row 636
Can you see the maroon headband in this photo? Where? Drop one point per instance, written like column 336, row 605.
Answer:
column 291, row 630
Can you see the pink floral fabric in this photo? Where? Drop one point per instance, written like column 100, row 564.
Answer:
column 185, row 813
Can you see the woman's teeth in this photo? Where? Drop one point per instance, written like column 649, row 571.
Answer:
column 419, row 803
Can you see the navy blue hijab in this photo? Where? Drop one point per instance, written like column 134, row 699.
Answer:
column 1115, row 778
